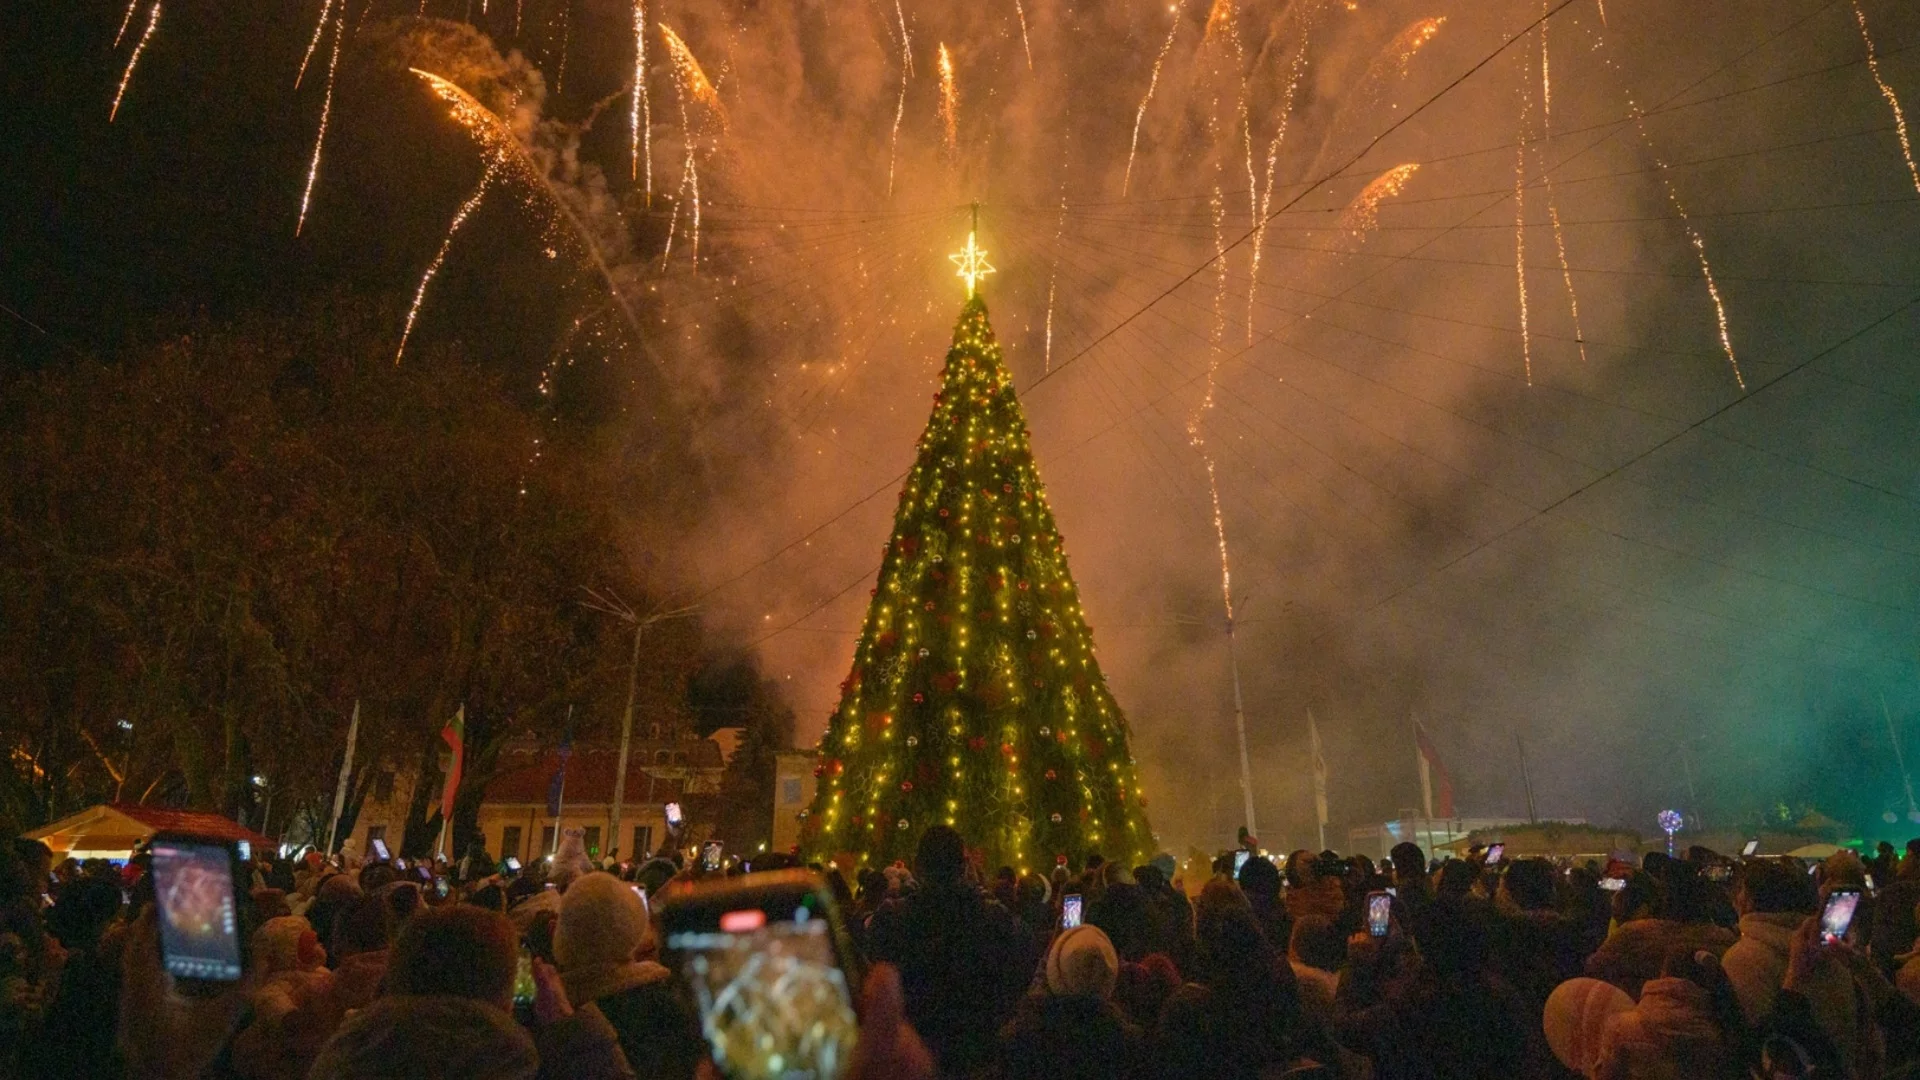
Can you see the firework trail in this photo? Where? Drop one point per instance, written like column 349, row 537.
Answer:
column 642, row 113
column 153, row 21
column 1262, row 210
column 126, row 21
column 518, row 5
column 319, row 31
column 693, row 79
column 694, row 86
column 566, row 44
column 1694, row 238
column 440, row 257
column 1196, row 432
column 1020, row 10
column 1520, row 224
column 1893, row 100
column 1053, row 278
column 326, row 113
column 900, row 108
column 1152, row 82
column 1553, row 202
column 1363, row 213
column 949, row 103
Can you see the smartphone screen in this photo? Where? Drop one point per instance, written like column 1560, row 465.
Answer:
column 1751, row 847
column 245, row 848
column 400, row 865
column 762, row 964
column 1495, row 852
column 1838, row 915
column 1379, row 913
column 379, row 847
column 513, row 865
column 710, row 855
column 199, row 926
column 1613, row 884
column 1240, row 860
column 441, row 888
column 673, row 815
column 641, row 892
column 1070, row 911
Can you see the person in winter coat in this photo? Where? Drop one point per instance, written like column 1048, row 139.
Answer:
column 603, row 944
column 293, row 1007
column 1773, row 899
column 1169, row 915
column 1069, row 1029
column 1122, row 913
column 362, row 934
column 1576, row 1018
column 447, row 1013
column 1644, row 935
column 1685, row 1027
column 964, row 960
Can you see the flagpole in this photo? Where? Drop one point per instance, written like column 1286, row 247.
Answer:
column 1319, row 778
column 1526, row 778
column 346, row 770
column 560, row 804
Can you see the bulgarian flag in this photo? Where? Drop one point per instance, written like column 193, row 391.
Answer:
column 1434, row 778
column 455, row 734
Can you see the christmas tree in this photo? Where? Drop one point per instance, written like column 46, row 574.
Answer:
column 975, row 699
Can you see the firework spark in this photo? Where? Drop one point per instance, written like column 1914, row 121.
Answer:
column 1553, row 201
column 153, row 21
column 313, row 44
column 1262, row 214
column 693, row 78
column 1893, row 100
column 949, row 103
column 642, row 112
column 1152, row 82
column 694, row 86
column 900, row 107
column 126, row 21
column 1407, row 44
column 326, row 113
column 440, row 257
column 1363, row 213
column 1196, row 422
column 1020, row 10
column 1520, row 234
column 1698, row 243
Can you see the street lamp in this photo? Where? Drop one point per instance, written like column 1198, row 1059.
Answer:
column 609, row 604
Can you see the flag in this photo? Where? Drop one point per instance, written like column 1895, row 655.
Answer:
column 1432, row 772
column 1319, row 772
column 455, row 734
column 557, row 787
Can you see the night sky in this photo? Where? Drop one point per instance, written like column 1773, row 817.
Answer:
column 1627, row 540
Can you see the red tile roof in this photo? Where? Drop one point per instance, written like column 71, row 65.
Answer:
column 160, row 819
column 525, row 774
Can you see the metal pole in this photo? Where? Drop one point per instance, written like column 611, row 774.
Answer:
column 1526, row 778
column 1240, row 729
column 560, row 804
column 626, row 741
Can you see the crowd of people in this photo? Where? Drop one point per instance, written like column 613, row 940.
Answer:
column 1696, row 967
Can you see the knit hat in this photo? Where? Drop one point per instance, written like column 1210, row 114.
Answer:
column 602, row 921
column 1165, row 863
column 287, row 943
column 1082, row 961
column 1576, row 1017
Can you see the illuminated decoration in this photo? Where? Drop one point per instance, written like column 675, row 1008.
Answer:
column 1670, row 822
column 974, row 677
column 973, row 264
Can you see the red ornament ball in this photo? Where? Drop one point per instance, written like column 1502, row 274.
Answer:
column 1051, row 775
column 918, row 698
column 906, row 785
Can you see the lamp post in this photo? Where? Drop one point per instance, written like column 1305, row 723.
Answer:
column 609, row 604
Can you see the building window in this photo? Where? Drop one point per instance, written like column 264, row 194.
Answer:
column 642, row 842
column 592, row 840
column 383, row 787
column 790, row 791
column 546, row 842
column 510, row 842
column 375, row 832
column 659, row 757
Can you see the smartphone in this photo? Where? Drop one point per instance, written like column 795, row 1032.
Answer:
column 1838, row 914
column 765, row 964
column 1720, row 872
column 1239, row 860
column 245, row 848
column 201, row 944
column 1391, row 891
column 1070, row 911
column 1871, row 887
column 1379, row 913
column 641, row 892
column 513, row 865
column 441, row 888
column 379, row 847
column 400, row 865
column 710, row 854
column 1495, row 853
column 1613, row 884
column 673, row 815
column 423, row 872
column 1750, row 849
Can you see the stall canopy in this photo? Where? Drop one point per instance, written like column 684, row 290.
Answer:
column 112, row 831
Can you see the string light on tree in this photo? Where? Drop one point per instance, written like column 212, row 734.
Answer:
column 974, row 698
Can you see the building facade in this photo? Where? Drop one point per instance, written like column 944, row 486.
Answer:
column 793, row 783
column 515, row 818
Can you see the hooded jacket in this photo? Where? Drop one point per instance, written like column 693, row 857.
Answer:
column 1670, row 1035
column 1757, row 965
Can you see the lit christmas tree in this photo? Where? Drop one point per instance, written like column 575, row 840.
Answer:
column 975, row 699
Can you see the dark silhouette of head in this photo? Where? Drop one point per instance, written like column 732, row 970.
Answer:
column 942, row 858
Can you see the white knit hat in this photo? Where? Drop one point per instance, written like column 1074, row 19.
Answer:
column 1082, row 961
column 602, row 921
